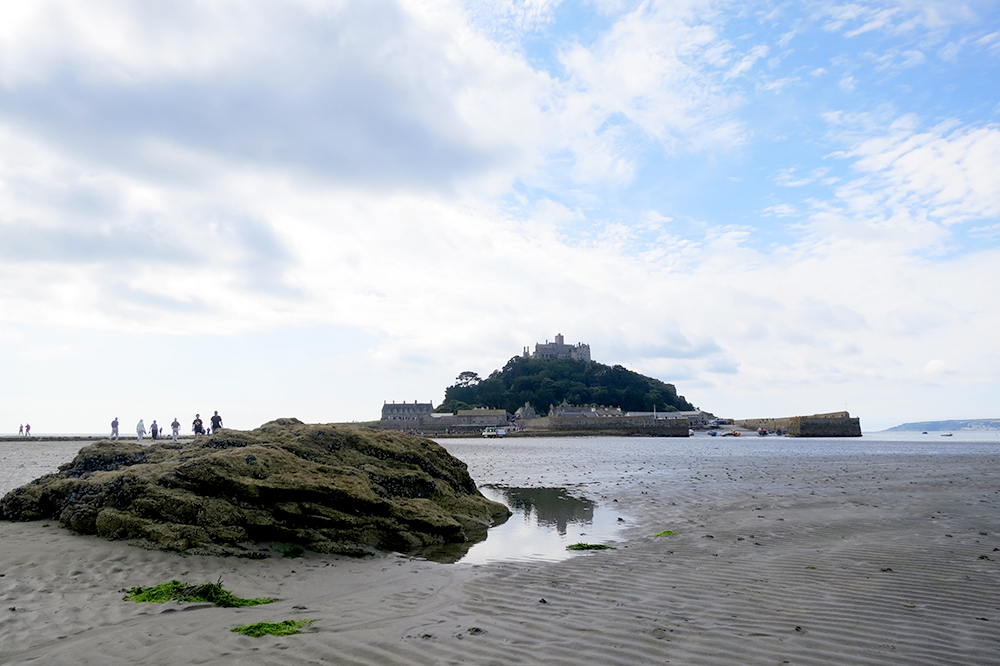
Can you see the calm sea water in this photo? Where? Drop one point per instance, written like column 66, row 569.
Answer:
column 904, row 443
column 569, row 476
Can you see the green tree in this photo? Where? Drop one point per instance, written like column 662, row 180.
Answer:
column 467, row 378
column 550, row 382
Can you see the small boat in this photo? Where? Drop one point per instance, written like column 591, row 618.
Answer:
column 946, row 434
column 762, row 432
column 712, row 433
column 493, row 431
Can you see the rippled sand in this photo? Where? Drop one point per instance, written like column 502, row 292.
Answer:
column 798, row 559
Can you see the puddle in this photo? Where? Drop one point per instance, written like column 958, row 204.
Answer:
column 544, row 522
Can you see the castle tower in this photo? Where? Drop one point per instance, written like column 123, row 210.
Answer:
column 559, row 349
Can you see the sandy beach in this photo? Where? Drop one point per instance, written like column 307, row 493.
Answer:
column 834, row 555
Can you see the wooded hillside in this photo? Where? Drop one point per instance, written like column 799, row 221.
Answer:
column 550, row 382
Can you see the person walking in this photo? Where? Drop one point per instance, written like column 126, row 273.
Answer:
column 20, row 433
column 197, row 426
column 154, row 429
column 27, row 430
column 140, row 430
column 175, row 428
column 114, row 428
column 216, row 422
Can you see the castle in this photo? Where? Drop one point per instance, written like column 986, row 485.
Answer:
column 559, row 349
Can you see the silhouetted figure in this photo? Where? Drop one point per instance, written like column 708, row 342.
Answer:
column 197, row 426
column 114, row 428
column 216, row 422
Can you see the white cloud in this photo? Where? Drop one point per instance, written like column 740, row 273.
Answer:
column 990, row 41
column 781, row 210
column 778, row 85
column 987, row 232
column 912, row 58
column 856, row 18
column 873, row 20
column 375, row 92
column 949, row 173
column 744, row 65
column 198, row 173
column 509, row 20
column 660, row 67
column 230, row 224
column 788, row 177
column 937, row 367
column 896, row 59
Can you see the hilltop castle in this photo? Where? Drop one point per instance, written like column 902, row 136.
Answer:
column 559, row 349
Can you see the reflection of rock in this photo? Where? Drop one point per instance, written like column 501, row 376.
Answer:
column 332, row 489
column 552, row 506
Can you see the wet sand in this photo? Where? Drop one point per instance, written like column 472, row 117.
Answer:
column 839, row 560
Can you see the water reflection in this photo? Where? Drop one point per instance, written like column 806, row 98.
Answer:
column 544, row 522
column 552, row 507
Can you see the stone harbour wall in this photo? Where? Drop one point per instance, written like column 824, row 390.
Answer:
column 622, row 425
column 835, row 424
column 805, row 426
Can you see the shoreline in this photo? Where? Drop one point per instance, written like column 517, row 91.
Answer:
column 476, row 433
column 83, row 438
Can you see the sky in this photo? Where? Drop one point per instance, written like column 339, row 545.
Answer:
column 306, row 208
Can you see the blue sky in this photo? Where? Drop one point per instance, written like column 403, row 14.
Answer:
column 305, row 208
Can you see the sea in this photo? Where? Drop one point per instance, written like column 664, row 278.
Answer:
column 555, row 485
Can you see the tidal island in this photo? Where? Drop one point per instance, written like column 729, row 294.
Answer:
column 560, row 391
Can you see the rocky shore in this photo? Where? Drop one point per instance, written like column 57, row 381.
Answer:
column 331, row 489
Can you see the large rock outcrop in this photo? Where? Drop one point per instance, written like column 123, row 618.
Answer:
column 332, row 489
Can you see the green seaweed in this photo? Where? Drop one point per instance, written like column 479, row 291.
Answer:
column 177, row 591
column 284, row 628
column 590, row 546
column 293, row 550
column 810, row 567
column 664, row 533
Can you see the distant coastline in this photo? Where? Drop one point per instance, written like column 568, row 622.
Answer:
column 960, row 424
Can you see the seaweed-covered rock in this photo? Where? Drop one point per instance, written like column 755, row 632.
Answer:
column 332, row 489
